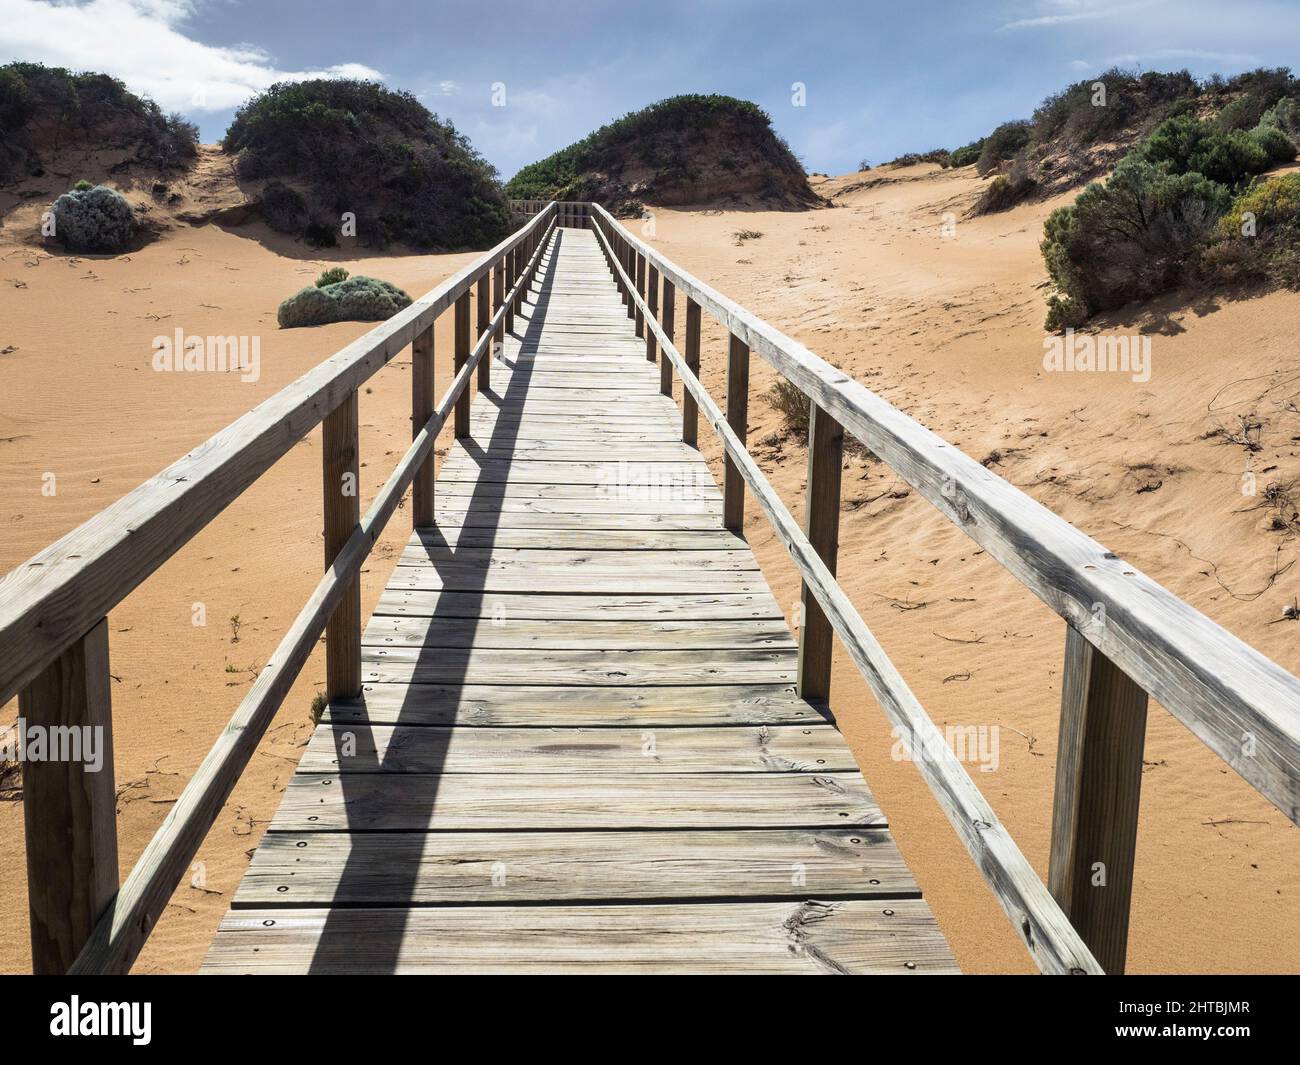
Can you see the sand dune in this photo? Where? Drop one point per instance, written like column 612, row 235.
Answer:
column 944, row 322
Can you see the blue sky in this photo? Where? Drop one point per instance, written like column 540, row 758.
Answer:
column 881, row 78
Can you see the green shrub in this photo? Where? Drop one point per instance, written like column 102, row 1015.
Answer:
column 934, row 155
column 1259, row 237
column 1000, row 145
column 966, row 154
column 1186, row 145
column 83, row 186
column 1138, row 234
column 1284, row 116
column 358, row 299
column 332, row 276
column 356, row 146
column 1073, row 117
column 1005, row 190
column 676, row 139
column 98, row 219
column 36, row 99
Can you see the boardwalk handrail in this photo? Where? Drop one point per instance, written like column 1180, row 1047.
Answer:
column 1242, row 705
column 56, row 602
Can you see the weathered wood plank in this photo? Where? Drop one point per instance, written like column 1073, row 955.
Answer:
column 522, row 606
column 405, row 868
column 489, row 705
column 439, row 749
column 505, row 631
column 486, row 665
column 414, row 802
column 778, row 938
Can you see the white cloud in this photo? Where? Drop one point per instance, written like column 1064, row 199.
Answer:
column 1063, row 12
column 141, row 42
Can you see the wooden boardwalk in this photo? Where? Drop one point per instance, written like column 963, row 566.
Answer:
column 579, row 746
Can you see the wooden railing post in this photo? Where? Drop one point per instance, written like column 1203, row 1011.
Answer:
column 822, row 527
column 498, row 298
column 733, row 484
column 483, row 312
column 652, row 301
column 1095, row 809
column 509, row 266
column 342, row 515
column 640, row 290
column 518, row 273
column 669, row 323
column 69, row 802
column 460, row 356
column 422, row 407
column 691, row 356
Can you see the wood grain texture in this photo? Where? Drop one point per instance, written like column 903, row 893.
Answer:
column 312, row 869
column 439, row 749
column 414, row 802
column 822, row 524
column 69, row 802
column 1095, row 810
column 552, row 705
column 778, row 938
column 340, row 453
column 422, row 406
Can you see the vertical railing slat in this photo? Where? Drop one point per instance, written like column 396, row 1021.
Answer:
column 733, row 484
column 822, row 526
column 460, row 356
column 422, row 406
column 483, row 316
column 341, row 482
column 640, row 291
column 669, row 322
column 652, row 301
column 1095, row 808
column 69, row 809
column 691, row 356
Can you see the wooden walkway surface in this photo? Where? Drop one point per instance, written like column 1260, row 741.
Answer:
column 579, row 746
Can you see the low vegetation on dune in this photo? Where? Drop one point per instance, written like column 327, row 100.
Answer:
column 1181, row 208
column 93, row 218
column 328, row 151
column 1187, row 199
column 336, row 297
column 47, row 112
column 683, row 150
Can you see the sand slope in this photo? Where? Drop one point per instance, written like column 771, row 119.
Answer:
column 948, row 328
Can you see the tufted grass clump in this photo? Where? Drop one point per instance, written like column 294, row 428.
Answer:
column 95, row 219
column 332, row 276
column 356, row 299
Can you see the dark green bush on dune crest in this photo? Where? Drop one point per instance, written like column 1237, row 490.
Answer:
column 686, row 149
column 355, row 146
column 47, row 110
